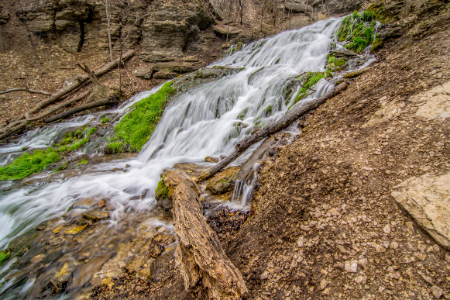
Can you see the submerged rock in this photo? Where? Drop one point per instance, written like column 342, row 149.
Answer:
column 95, row 215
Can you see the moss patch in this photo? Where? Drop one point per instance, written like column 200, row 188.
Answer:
column 377, row 44
column 311, row 79
column 162, row 191
column 357, row 30
column 4, row 255
column 137, row 126
column 115, row 147
column 28, row 164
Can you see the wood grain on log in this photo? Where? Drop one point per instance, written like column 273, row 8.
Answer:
column 199, row 256
column 296, row 112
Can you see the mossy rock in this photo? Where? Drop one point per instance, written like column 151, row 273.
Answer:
column 162, row 191
column 4, row 256
column 377, row 44
column 340, row 62
column 223, row 182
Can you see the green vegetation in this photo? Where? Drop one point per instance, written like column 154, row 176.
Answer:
column 78, row 145
column 162, row 191
column 28, row 164
column 82, row 162
column 331, row 59
column 357, row 30
column 105, row 120
column 4, row 255
column 259, row 124
column 137, row 126
column 61, row 166
column 115, row 147
column 242, row 114
column 267, row 110
column 340, row 62
column 377, row 44
column 311, row 79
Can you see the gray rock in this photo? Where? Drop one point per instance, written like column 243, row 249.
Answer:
column 437, row 291
column 298, row 7
column 351, row 266
column 144, row 72
column 426, row 199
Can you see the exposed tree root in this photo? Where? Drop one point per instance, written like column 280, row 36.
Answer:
column 199, row 256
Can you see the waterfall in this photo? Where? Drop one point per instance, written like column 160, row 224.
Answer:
column 206, row 121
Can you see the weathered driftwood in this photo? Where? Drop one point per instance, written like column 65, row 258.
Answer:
column 61, row 105
column 101, row 102
column 296, row 111
column 25, row 90
column 201, row 260
column 356, row 73
column 81, row 79
column 16, row 127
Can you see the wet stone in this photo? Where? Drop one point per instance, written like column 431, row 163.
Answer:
column 85, row 203
column 96, row 216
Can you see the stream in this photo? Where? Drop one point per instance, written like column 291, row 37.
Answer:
column 207, row 120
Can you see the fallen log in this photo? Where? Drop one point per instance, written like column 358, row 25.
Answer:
column 296, row 112
column 59, row 106
column 81, row 79
column 199, row 256
column 356, row 73
column 11, row 130
column 24, row 90
column 101, row 102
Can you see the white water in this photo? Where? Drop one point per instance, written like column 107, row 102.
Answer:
column 197, row 124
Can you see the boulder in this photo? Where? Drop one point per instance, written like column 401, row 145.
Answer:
column 95, row 215
column 226, row 29
column 144, row 72
column 426, row 199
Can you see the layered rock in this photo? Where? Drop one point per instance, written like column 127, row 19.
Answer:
column 171, row 30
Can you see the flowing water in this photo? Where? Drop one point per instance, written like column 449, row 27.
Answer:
column 206, row 121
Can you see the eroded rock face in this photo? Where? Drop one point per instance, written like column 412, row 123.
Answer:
column 170, row 30
column 427, row 199
column 224, row 181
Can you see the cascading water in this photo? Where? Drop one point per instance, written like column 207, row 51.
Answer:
column 206, row 121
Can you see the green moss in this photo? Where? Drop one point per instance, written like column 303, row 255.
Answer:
column 340, row 62
column 331, row 59
column 78, row 145
column 259, row 124
column 311, row 79
column 357, row 30
column 328, row 73
column 4, row 255
column 242, row 114
column 90, row 131
column 62, row 149
column 267, row 110
column 82, row 162
column 105, row 120
column 162, row 191
column 137, row 126
column 28, row 164
column 377, row 44
column 115, row 147
column 61, row 167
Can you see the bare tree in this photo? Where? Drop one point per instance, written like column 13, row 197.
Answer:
column 241, row 6
column 2, row 48
column 28, row 32
column 108, row 19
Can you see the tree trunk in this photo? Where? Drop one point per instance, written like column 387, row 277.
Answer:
column 297, row 111
column 199, row 256
column 108, row 17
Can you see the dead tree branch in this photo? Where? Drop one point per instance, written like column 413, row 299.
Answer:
column 297, row 111
column 24, row 90
column 101, row 102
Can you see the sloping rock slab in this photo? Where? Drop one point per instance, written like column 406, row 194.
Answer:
column 225, row 29
column 427, row 199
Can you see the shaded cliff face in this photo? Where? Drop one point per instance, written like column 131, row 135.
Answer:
column 166, row 30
